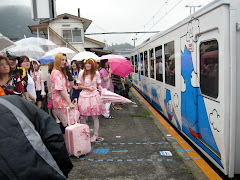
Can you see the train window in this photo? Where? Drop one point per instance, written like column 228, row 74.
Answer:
column 169, row 63
column 145, row 63
column 209, row 68
column 136, row 64
column 132, row 61
column 159, row 71
column 141, row 63
column 151, row 63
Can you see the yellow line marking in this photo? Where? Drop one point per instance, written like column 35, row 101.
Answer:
column 210, row 173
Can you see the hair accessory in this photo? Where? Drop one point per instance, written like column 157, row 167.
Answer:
column 91, row 60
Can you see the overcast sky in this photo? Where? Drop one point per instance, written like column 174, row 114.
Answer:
column 124, row 15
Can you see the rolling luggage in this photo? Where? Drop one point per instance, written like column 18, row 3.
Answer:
column 77, row 138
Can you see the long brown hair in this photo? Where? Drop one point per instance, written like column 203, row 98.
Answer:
column 6, row 59
column 50, row 67
column 57, row 64
column 93, row 68
column 21, row 60
column 77, row 64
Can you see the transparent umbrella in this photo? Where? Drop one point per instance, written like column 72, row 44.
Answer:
column 85, row 55
column 30, row 51
column 70, row 53
column 45, row 44
column 5, row 42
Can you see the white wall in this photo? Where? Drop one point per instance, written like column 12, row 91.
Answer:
column 57, row 26
column 88, row 44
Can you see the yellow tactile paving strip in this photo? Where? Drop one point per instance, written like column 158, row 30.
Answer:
column 210, row 173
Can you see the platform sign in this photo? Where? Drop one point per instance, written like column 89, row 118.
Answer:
column 43, row 9
column 165, row 153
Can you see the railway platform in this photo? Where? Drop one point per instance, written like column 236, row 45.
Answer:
column 139, row 144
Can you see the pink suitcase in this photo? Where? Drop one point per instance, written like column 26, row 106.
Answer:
column 77, row 138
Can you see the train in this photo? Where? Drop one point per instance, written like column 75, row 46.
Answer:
column 191, row 74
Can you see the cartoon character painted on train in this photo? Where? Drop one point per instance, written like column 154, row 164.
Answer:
column 170, row 108
column 155, row 98
column 195, row 122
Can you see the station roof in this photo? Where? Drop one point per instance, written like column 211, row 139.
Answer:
column 43, row 24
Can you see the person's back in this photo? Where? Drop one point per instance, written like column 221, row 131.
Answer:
column 32, row 145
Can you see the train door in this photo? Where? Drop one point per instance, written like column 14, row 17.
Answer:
column 208, row 91
column 200, row 102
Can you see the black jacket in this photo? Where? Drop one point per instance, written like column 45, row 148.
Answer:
column 22, row 154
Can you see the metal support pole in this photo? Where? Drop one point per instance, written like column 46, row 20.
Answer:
column 193, row 8
column 134, row 39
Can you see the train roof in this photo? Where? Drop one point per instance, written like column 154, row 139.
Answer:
column 207, row 8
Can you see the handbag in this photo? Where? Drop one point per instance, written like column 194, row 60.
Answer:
column 50, row 104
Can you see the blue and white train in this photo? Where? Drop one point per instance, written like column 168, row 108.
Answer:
column 190, row 74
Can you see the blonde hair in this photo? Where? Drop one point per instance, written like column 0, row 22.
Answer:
column 93, row 68
column 57, row 64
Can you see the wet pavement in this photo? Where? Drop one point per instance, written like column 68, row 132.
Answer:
column 135, row 146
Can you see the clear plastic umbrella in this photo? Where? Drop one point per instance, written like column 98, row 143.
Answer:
column 85, row 55
column 45, row 44
column 5, row 42
column 30, row 51
column 32, row 47
column 70, row 53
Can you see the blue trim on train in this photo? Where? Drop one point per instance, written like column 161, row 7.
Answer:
column 155, row 101
column 193, row 110
column 139, row 65
column 188, row 134
column 170, row 113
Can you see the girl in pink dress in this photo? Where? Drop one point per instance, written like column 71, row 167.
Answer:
column 106, row 82
column 59, row 83
column 89, row 101
column 38, row 78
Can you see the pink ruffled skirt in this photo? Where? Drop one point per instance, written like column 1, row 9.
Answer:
column 91, row 106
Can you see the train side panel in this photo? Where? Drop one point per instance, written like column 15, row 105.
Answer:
column 198, row 102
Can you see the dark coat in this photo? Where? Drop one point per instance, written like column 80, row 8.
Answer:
column 20, row 153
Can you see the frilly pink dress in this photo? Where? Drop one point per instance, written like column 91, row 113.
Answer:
column 58, row 82
column 89, row 102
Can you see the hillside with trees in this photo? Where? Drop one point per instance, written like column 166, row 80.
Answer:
column 124, row 46
column 15, row 21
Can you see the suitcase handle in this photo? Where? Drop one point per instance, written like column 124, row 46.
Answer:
column 68, row 115
column 75, row 114
column 69, row 146
column 75, row 108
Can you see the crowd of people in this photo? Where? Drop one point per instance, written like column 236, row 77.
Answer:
column 77, row 87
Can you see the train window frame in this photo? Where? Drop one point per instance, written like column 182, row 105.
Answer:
column 131, row 59
column 170, row 68
column 141, row 63
column 136, row 63
column 159, row 62
column 133, row 63
column 145, row 58
column 151, row 60
column 209, row 73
